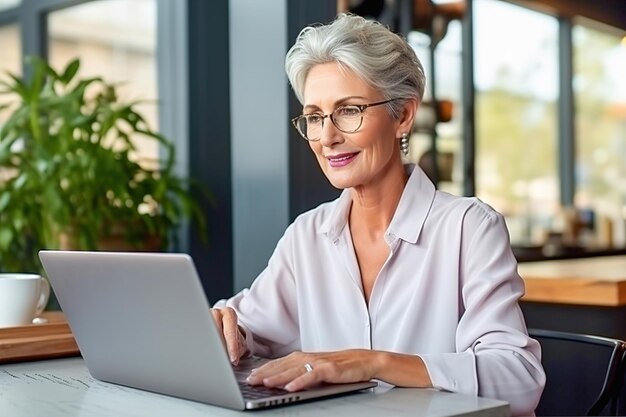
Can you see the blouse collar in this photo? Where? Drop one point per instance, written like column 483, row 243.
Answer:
column 409, row 218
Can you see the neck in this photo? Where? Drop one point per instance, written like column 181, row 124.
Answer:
column 374, row 205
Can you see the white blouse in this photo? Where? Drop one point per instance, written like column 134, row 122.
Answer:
column 448, row 292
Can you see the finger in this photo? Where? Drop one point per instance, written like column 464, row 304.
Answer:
column 268, row 369
column 280, row 375
column 234, row 339
column 217, row 318
column 257, row 375
column 274, row 379
column 303, row 381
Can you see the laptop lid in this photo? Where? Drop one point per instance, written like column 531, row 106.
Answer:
column 142, row 320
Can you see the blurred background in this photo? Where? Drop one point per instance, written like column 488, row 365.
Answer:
column 525, row 108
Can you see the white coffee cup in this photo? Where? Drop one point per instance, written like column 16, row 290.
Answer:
column 22, row 298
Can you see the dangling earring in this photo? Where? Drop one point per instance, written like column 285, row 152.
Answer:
column 404, row 144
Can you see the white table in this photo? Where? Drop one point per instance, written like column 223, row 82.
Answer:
column 64, row 387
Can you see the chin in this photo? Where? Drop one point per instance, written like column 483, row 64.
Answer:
column 340, row 178
column 339, row 185
column 340, row 181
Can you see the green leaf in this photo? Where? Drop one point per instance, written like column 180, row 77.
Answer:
column 6, row 236
column 5, row 199
column 5, row 151
column 19, row 87
column 18, row 221
column 70, row 71
column 21, row 180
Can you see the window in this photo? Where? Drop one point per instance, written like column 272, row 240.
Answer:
column 8, row 4
column 115, row 39
column 516, row 81
column 10, row 54
column 420, row 141
column 600, row 126
column 449, row 134
column 448, row 85
column 11, row 51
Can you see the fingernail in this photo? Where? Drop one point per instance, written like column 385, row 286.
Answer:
column 289, row 386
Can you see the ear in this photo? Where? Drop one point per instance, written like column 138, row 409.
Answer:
column 407, row 117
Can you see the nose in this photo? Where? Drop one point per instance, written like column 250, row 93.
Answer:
column 330, row 134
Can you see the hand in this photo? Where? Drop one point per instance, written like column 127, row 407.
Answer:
column 232, row 335
column 335, row 367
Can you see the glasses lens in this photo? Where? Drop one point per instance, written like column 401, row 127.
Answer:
column 348, row 118
column 301, row 126
column 310, row 126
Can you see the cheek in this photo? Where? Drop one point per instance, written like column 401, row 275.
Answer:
column 378, row 138
column 380, row 148
column 316, row 147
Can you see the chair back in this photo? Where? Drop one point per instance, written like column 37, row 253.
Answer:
column 584, row 373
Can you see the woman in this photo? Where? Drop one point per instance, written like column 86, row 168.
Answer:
column 394, row 280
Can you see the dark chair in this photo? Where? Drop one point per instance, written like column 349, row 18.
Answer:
column 584, row 373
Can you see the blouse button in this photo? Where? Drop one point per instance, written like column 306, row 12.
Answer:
column 389, row 238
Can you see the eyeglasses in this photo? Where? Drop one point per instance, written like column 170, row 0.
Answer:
column 348, row 119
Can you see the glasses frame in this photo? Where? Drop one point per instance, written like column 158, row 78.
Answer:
column 331, row 116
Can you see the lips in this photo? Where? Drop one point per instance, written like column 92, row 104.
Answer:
column 341, row 160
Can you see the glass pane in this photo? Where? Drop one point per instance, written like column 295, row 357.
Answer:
column 516, row 81
column 8, row 4
column 115, row 39
column 448, row 85
column 10, row 55
column 420, row 140
column 450, row 134
column 600, row 100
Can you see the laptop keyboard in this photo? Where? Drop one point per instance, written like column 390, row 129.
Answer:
column 255, row 392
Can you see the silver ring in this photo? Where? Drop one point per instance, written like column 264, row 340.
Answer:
column 308, row 367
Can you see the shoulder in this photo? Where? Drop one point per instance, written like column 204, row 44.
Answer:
column 317, row 220
column 469, row 212
column 471, row 207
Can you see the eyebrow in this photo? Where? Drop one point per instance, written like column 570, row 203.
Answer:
column 341, row 101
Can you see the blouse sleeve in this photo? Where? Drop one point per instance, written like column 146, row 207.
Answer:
column 268, row 310
column 495, row 357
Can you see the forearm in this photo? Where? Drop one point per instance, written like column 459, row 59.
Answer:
column 400, row 369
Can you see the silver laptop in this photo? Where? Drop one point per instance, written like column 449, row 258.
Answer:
column 142, row 320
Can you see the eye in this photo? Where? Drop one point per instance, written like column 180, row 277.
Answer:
column 348, row 111
column 313, row 118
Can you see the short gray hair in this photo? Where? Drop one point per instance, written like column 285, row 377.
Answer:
column 370, row 50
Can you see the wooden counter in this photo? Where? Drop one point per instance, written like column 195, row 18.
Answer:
column 599, row 281
column 52, row 338
column 584, row 295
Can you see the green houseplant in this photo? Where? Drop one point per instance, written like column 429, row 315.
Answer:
column 70, row 174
